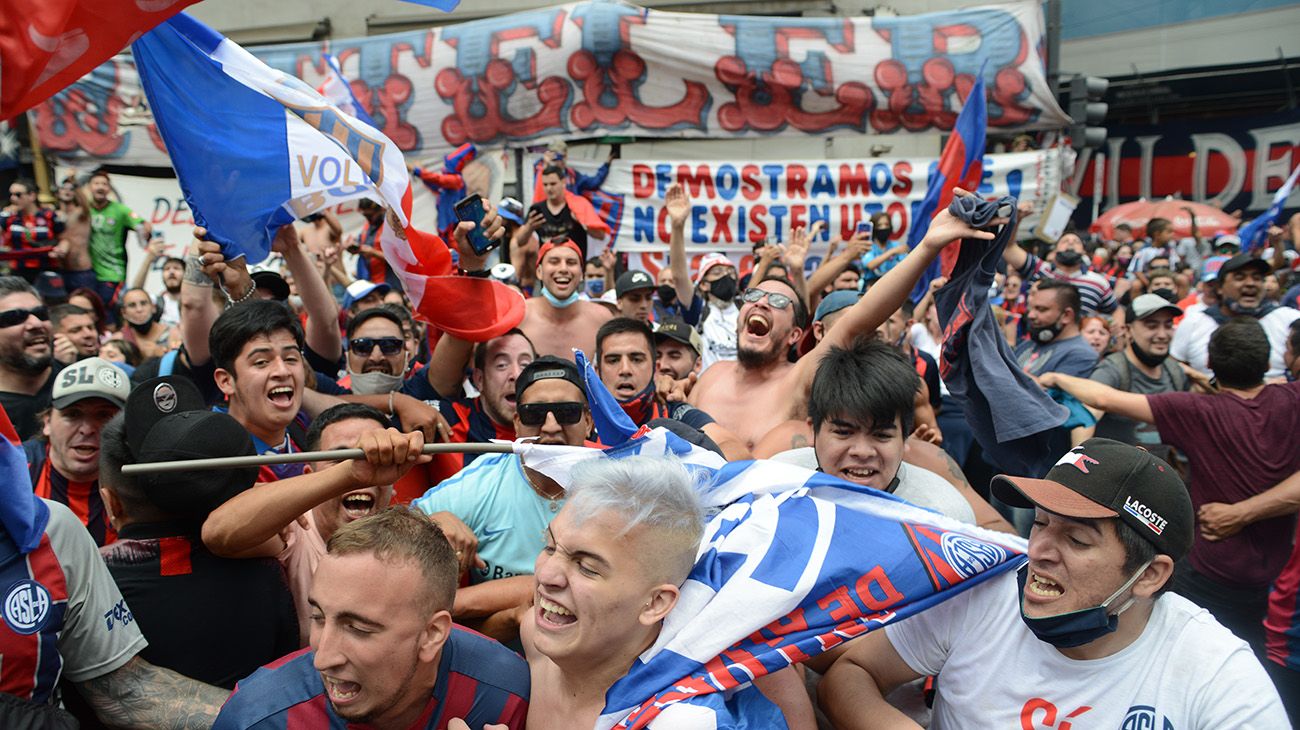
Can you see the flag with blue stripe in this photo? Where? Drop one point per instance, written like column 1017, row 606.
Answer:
column 1255, row 233
column 793, row 562
column 960, row 166
column 22, row 513
column 445, row 6
column 255, row 148
column 338, row 90
column 613, row 425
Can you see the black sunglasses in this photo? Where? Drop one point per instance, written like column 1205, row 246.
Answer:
column 534, row 414
column 778, row 301
column 366, row 345
column 15, row 317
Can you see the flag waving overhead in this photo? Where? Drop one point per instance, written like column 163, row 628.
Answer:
column 1255, row 233
column 338, row 90
column 960, row 166
column 794, row 563
column 45, row 45
column 255, row 148
column 22, row 513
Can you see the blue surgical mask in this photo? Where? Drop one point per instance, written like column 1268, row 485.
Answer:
column 1076, row 628
column 556, row 301
column 595, row 287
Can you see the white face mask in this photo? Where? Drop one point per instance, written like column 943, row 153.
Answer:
column 375, row 382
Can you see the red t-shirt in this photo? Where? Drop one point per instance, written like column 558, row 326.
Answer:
column 1237, row 447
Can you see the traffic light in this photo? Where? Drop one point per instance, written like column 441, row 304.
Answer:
column 1088, row 110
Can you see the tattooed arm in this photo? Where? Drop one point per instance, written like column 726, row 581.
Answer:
column 141, row 695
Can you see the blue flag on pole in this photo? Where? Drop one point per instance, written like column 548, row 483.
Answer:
column 613, row 425
column 1255, row 233
column 793, row 562
column 960, row 165
column 255, row 148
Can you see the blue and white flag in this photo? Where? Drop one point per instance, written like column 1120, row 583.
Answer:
column 613, row 425
column 256, row 148
column 1255, row 233
column 793, row 563
column 338, row 90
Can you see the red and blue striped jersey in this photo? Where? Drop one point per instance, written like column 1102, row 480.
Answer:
column 1282, row 622
column 479, row 681
column 61, row 613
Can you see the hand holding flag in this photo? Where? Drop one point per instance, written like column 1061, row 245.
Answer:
column 255, row 148
column 1255, row 233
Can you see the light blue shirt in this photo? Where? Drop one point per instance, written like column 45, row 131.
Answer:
column 493, row 498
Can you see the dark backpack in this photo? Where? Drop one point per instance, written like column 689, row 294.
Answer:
column 1120, row 362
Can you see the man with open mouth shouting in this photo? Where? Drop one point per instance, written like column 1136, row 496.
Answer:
column 293, row 519
column 384, row 652
column 1085, row 630
column 762, row 389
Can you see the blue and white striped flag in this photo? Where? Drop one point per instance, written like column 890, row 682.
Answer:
column 338, row 90
column 1255, row 233
column 793, row 563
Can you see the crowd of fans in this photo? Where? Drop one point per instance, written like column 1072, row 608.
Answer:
column 1186, row 346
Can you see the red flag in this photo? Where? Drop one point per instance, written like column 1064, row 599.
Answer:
column 45, row 45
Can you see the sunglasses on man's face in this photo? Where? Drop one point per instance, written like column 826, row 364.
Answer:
column 15, row 317
column 776, row 300
column 534, row 414
column 366, row 345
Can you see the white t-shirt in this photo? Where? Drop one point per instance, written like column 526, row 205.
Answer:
column 1185, row 671
column 922, row 341
column 719, row 333
column 921, row 487
column 1191, row 342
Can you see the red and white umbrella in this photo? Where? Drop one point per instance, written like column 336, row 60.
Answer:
column 1210, row 221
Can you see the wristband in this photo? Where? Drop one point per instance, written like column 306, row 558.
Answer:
column 480, row 274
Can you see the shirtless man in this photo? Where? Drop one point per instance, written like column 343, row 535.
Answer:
column 761, row 389
column 615, row 558
column 558, row 321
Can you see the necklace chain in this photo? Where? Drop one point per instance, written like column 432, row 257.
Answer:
column 554, row 501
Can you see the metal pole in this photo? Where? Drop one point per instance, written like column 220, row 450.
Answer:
column 1053, row 44
column 231, row 462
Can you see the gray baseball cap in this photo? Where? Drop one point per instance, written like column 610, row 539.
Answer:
column 93, row 377
column 1148, row 304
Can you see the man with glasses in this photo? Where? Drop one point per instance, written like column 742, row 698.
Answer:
column 25, row 224
column 27, row 364
column 496, row 511
column 762, row 388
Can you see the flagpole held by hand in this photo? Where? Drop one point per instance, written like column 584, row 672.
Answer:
column 230, row 462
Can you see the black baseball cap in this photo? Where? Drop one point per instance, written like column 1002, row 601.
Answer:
column 1242, row 261
column 631, row 281
column 678, row 330
column 549, row 367
column 1102, row 478
column 167, row 420
column 272, row 282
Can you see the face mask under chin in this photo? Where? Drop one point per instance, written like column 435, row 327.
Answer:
column 374, row 382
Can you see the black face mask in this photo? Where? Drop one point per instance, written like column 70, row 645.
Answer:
column 1145, row 357
column 1044, row 335
column 1069, row 258
column 724, row 288
column 667, row 294
column 881, row 235
column 142, row 329
column 1168, row 295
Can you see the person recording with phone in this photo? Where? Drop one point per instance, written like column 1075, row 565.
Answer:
column 882, row 257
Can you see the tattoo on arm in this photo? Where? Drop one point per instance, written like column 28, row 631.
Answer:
column 955, row 469
column 141, row 695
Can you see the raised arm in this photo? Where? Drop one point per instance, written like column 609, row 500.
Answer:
column 679, row 209
column 256, row 516
column 199, row 310
column 141, row 695
column 835, row 265
column 322, row 331
column 152, row 252
column 886, row 295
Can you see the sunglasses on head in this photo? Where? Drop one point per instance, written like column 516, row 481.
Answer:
column 14, row 317
column 366, row 345
column 534, row 414
column 776, row 300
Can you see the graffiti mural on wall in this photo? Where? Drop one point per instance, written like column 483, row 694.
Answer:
column 594, row 68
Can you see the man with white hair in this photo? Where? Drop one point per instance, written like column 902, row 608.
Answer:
column 615, row 559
